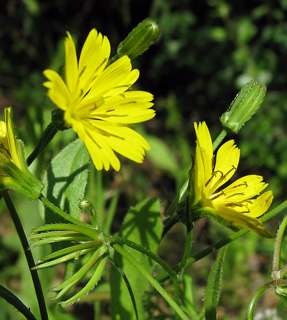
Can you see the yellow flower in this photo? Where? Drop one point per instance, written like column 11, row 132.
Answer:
column 237, row 204
column 14, row 173
column 97, row 104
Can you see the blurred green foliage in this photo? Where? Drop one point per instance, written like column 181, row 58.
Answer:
column 208, row 50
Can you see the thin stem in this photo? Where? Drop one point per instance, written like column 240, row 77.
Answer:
column 16, row 303
column 28, row 255
column 152, row 281
column 254, row 300
column 219, row 139
column 156, row 258
column 189, row 230
column 283, row 272
column 177, row 199
column 111, row 212
column 46, row 137
column 278, row 244
column 62, row 214
column 221, row 243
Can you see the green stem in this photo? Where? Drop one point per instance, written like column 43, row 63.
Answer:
column 219, row 139
column 28, row 255
column 278, row 244
column 46, row 137
column 221, row 243
column 152, row 281
column 16, row 303
column 111, row 212
column 61, row 213
column 254, row 300
column 283, row 272
column 189, row 229
column 177, row 199
column 156, row 258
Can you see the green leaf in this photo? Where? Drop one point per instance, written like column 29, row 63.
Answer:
column 65, row 181
column 142, row 225
column 187, row 297
column 214, row 282
column 161, row 155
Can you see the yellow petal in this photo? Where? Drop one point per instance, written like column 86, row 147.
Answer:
column 128, row 108
column 203, row 159
column 93, row 59
column 116, row 79
column 242, row 189
column 71, row 64
column 261, row 204
column 227, row 160
column 12, row 144
column 58, row 91
column 247, row 222
column 203, row 138
column 101, row 153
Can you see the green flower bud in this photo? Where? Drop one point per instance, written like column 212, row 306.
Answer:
column 245, row 104
column 139, row 39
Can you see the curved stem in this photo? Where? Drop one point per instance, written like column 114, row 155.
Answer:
column 277, row 248
column 28, row 255
column 16, row 303
column 46, row 137
column 152, row 281
column 61, row 213
column 151, row 255
column 254, row 300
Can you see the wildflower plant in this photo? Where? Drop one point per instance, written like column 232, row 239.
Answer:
column 97, row 98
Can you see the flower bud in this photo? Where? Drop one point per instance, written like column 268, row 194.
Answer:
column 244, row 105
column 139, row 39
column 14, row 173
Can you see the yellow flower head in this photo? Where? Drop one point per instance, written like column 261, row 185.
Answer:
column 14, row 173
column 97, row 104
column 236, row 203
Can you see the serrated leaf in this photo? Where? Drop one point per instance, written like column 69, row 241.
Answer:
column 214, row 282
column 65, row 181
column 143, row 226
